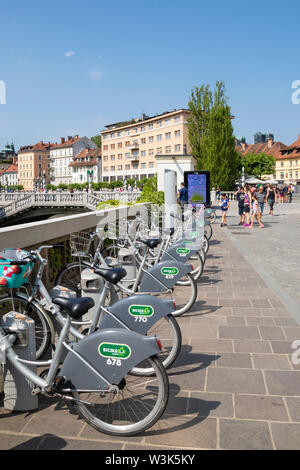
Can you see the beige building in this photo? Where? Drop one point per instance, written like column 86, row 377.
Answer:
column 34, row 165
column 288, row 164
column 129, row 149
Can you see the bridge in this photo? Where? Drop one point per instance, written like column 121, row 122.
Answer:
column 13, row 203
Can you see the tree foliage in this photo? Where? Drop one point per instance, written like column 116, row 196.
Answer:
column 211, row 135
column 258, row 164
column 97, row 140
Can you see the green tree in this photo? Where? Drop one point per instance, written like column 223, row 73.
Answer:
column 211, row 135
column 258, row 164
column 97, row 140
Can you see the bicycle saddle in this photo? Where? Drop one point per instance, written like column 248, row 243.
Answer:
column 74, row 307
column 112, row 275
column 150, row 242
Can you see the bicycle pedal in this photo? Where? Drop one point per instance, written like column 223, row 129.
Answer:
column 36, row 391
column 59, row 384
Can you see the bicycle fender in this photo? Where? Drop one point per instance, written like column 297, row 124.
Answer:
column 138, row 312
column 164, row 275
column 180, row 251
column 191, row 243
column 111, row 352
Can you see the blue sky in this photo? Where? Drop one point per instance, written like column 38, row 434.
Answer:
column 71, row 67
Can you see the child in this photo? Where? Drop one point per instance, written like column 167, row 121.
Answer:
column 224, row 208
column 255, row 212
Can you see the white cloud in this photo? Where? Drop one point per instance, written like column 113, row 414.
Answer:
column 95, row 74
column 69, row 54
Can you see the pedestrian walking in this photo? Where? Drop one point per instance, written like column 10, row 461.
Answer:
column 255, row 212
column 183, row 198
column 247, row 205
column 224, row 209
column 240, row 194
column 270, row 197
column 261, row 199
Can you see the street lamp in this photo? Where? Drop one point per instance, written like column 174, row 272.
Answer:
column 90, row 178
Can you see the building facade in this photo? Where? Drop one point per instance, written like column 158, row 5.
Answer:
column 62, row 155
column 86, row 166
column 34, row 165
column 129, row 149
column 9, row 177
column 288, row 164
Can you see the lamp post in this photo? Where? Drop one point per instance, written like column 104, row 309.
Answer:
column 90, row 178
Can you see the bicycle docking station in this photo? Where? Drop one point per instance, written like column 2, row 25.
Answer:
column 16, row 387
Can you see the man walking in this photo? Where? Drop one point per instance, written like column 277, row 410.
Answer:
column 183, row 198
column 240, row 194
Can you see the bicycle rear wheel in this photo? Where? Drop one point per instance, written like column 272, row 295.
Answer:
column 43, row 325
column 137, row 406
column 70, row 276
column 168, row 332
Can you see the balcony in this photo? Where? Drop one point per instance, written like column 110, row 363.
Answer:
column 134, row 157
column 133, row 146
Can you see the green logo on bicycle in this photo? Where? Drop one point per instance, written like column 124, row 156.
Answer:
column 183, row 251
column 141, row 310
column 119, row 351
column 169, row 271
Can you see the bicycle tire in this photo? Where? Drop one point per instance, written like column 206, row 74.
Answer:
column 192, row 297
column 167, row 361
column 44, row 331
column 205, row 244
column 196, row 273
column 155, row 395
column 67, row 278
column 208, row 231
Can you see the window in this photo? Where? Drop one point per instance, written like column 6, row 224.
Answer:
column 150, row 139
column 143, row 153
column 119, row 156
column 127, row 155
column 105, row 147
column 281, row 163
column 282, row 175
column 119, row 133
column 168, row 135
column 127, row 143
column 158, row 137
column 296, row 174
column 159, row 150
column 143, row 128
column 143, row 165
column 151, row 165
column 168, row 149
column 119, row 145
column 112, row 168
column 112, row 135
column 135, row 166
column 159, row 124
column 143, row 140
column 150, row 126
column 112, row 157
column 150, row 151
column 167, row 121
column 291, row 174
column 120, row 167
column 127, row 167
column 177, row 148
column 176, row 118
column 177, row 133
column 291, row 162
column 105, row 168
column 127, row 132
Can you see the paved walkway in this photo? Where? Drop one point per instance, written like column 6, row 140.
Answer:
column 233, row 387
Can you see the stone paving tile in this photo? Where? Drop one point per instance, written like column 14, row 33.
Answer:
column 244, row 435
column 236, row 320
column 260, row 407
column 285, row 321
column 272, row 332
column 252, row 346
column 281, row 382
column 190, row 431
column 293, row 405
column 292, row 332
column 282, row 347
column 286, row 436
column 260, row 321
column 237, row 360
column 235, row 380
column 239, row 332
column 212, row 345
column 212, row 404
column 271, row 361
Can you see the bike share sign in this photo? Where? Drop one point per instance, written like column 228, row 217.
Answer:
column 115, row 350
column 141, row 310
column 169, row 272
column 183, row 251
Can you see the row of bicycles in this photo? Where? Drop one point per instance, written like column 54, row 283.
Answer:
column 110, row 321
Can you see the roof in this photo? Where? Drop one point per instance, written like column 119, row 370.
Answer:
column 66, row 143
column 295, row 144
column 275, row 149
column 85, row 154
column 40, row 146
column 13, row 168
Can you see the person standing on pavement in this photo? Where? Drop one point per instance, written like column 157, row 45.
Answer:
column 247, row 205
column 183, row 198
column 261, row 198
column 270, row 197
column 255, row 212
column 240, row 194
column 224, row 208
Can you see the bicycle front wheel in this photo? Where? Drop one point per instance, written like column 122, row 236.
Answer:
column 43, row 325
column 198, row 265
column 184, row 296
column 70, row 276
column 137, row 406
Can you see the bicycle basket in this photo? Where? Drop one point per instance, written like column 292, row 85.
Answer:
column 12, row 275
column 80, row 243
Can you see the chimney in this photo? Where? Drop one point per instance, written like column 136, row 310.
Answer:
column 69, row 137
column 76, row 136
column 270, row 142
column 62, row 140
column 243, row 145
